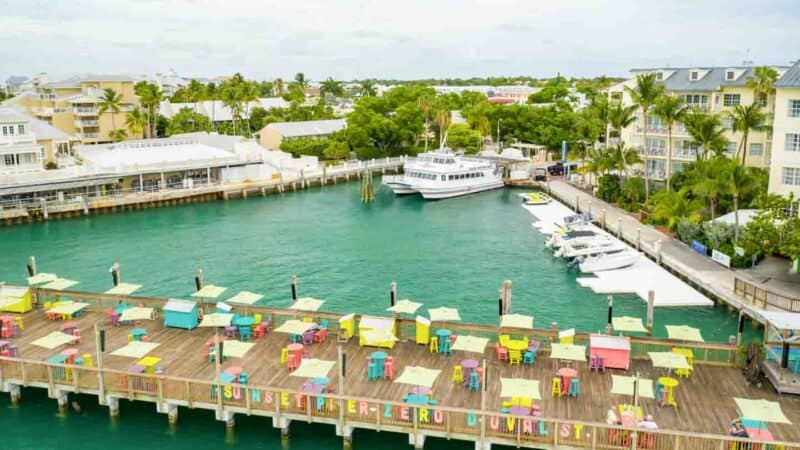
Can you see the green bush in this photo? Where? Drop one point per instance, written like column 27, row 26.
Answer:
column 717, row 233
column 688, row 230
column 632, row 193
column 608, row 188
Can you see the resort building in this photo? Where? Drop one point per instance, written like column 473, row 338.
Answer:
column 19, row 152
column 273, row 134
column 73, row 106
column 784, row 174
column 496, row 94
column 712, row 89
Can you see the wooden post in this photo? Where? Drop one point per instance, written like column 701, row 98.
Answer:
column 651, row 302
column 507, row 295
column 99, row 357
column 609, row 326
column 619, row 227
column 740, row 330
column 294, row 288
column 638, row 238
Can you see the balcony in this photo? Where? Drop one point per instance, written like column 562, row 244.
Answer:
column 86, row 123
column 84, row 136
column 84, row 111
column 29, row 138
column 699, row 106
column 43, row 112
column 677, row 130
column 653, row 151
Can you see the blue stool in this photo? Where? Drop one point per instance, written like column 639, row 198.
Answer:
column 372, row 371
column 444, row 346
column 323, row 323
column 297, row 338
column 245, row 333
column 242, row 377
column 529, row 358
column 574, row 388
column 78, row 361
column 474, row 382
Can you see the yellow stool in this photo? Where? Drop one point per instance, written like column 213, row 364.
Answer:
column 683, row 373
column 284, row 355
column 434, row 347
column 257, row 318
column 458, row 374
column 506, row 405
column 88, row 361
column 515, row 357
column 307, row 319
column 130, row 338
column 18, row 321
column 556, row 387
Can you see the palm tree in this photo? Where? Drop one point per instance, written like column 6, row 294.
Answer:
column 150, row 97
column 745, row 119
column 110, row 102
column 671, row 206
column 711, row 181
column 621, row 158
column 135, row 121
column 644, row 96
column 300, row 79
column 425, row 105
column 706, row 132
column 195, row 92
column 670, row 109
column 278, row 83
column 740, row 180
column 248, row 93
column 602, row 110
column 762, row 83
column 367, row 88
column 332, row 87
column 621, row 117
column 117, row 135
column 597, row 162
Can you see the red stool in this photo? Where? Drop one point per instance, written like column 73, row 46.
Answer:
column 294, row 361
column 388, row 368
column 77, row 333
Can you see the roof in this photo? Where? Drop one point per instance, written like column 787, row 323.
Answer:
column 308, row 128
column 782, row 320
column 217, row 140
column 45, row 131
column 75, row 81
column 138, row 154
column 12, row 115
column 791, row 78
column 745, row 216
column 176, row 305
column 711, row 78
column 16, row 79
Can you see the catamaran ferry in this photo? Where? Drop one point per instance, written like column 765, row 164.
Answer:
column 444, row 174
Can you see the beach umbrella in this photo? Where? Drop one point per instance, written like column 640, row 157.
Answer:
column 40, row 278
column 418, row 376
column 313, row 368
column 309, row 304
column 568, row 352
column 669, row 360
column 124, row 289
column 209, row 291
column 684, row 333
column 136, row 313
column 405, row 306
column 135, row 349
column 59, row 284
column 53, row 340
column 519, row 387
column 294, row 326
column 629, row 324
column 216, row 320
column 444, row 314
column 471, row 344
column 245, row 298
column 623, row 385
column 68, row 308
column 516, row 321
column 236, row 349
column 761, row 410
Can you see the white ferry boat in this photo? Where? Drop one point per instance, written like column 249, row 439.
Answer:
column 444, row 174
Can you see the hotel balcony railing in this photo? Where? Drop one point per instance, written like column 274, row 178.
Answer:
column 43, row 112
column 17, row 139
column 88, row 135
column 662, row 153
column 699, row 106
column 677, row 130
column 84, row 111
column 86, row 123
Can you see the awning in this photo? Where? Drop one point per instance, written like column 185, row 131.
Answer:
column 59, row 284
column 235, row 349
column 669, row 360
column 53, row 340
column 294, row 327
column 135, row 349
column 471, row 344
column 519, row 387
column 307, row 304
column 624, row 386
column 629, row 324
column 313, row 368
column 780, row 320
column 40, row 278
column 405, row 306
column 68, row 308
column 245, row 298
column 684, row 333
column 418, row 376
column 209, row 291
column 761, row 410
column 216, row 320
column 444, row 314
column 124, row 289
column 56, row 186
column 568, row 351
column 136, row 313
column 516, row 321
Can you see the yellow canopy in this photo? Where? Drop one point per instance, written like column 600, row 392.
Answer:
column 624, row 386
column 53, row 340
column 374, row 336
column 307, row 304
column 236, row 349
column 135, row 349
column 630, row 324
column 216, row 320
column 684, row 333
column 59, row 284
column 67, row 308
column 294, row 327
column 418, row 376
column 761, row 410
column 519, row 387
column 669, row 360
column 516, row 321
column 124, row 289
column 568, row 351
column 209, row 291
column 313, row 368
column 472, row 344
column 40, row 278
column 405, row 306
column 444, row 314
column 245, row 298
column 136, row 313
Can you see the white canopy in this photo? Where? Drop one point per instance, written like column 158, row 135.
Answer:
column 472, row 344
column 405, row 306
column 313, row 368
column 209, row 291
column 373, row 336
column 568, row 352
column 418, row 376
column 516, row 321
column 136, row 313
column 444, row 314
column 40, row 278
column 624, row 386
column 68, row 308
column 630, row 324
column 235, row 349
column 669, row 360
column 684, row 333
column 59, row 284
column 519, row 387
column 294, row 327
column 216, row 320
column 53, row 340
column 761, row 410
column 307, row 304
column 135, row 349
column 124, row 289
column 245, row 298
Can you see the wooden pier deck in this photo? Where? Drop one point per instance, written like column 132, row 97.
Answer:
column 705, row 400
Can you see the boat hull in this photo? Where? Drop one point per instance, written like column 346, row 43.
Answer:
column 456, row 191
column 608, row 262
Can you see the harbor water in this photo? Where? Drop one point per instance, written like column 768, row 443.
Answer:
column 455, row 252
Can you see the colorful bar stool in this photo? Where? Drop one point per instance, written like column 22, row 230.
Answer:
column 372, row 371
column 529, row 358
column 388, row 368
column 474, row 382
column 434, row 345
column 555, row 387
column 574, row 388
column 458, row 374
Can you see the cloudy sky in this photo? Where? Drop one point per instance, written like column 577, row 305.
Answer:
column 401, row 39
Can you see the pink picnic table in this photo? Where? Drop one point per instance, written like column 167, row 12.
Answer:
column 566, row 374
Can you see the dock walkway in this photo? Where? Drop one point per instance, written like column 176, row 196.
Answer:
column 705, row 401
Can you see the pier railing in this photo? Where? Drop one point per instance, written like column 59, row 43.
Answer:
column 709, row 353
column 763, row 298
column 357, row 412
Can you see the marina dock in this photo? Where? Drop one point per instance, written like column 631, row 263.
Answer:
column 705, row 400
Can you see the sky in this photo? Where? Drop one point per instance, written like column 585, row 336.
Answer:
column 403, row 39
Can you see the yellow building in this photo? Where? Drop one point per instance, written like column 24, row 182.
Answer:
column 73, row 105
column 784, row 174
column 713, row 89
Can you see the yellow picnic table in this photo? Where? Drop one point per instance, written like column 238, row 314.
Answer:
column 149, row 363
column 669, row 384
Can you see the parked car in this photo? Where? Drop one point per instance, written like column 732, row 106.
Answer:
column 557, row 169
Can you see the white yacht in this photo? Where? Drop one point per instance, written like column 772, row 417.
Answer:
column 444, row 174
column 608, row 261
column 593, row 246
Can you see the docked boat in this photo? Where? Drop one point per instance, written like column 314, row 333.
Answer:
column 576, row 219
column 444, row 174
column 609, row 261
column 558, row 239
column 535, row 198
column 589, row 247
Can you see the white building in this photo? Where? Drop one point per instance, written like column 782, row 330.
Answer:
column 216, row 111
column 273, row 134
column 784, row 173
column 19, row 151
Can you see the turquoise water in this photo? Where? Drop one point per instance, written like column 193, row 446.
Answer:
column 455, row 252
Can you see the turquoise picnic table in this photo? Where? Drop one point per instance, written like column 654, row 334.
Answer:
column 137, row 333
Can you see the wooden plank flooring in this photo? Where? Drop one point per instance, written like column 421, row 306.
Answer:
column 705, row 401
